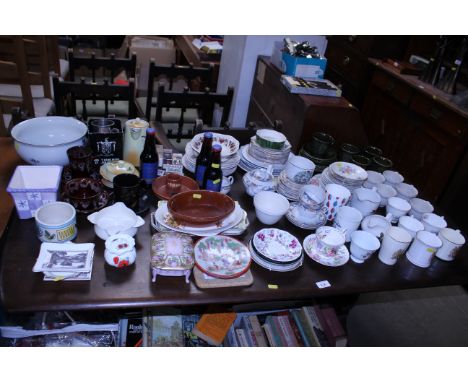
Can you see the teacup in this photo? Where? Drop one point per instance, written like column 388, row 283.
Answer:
column 433, row 223
column 128, row 188
column 84, row 193
column 385, row 191
column 412, row 225
column 377, row 225
column 374, row 178
column 365, row 200
column 336, row 196
column 321, row 142
column 452, row 241
column 392, row 178
column 329, row 240
column 312, row 197
column 226, row 184
column 81, row 161
column 396, row 241
column 398, row 207
column 259, row 180
column 406, row 191
column 420, row 207
column 348, row 220
column 381, row 164
column 363, row 245
column 299, row 169
column 56, row 222
column 423, row 249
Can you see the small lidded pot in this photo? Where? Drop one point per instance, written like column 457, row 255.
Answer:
column 259, row 180
column 120, row 250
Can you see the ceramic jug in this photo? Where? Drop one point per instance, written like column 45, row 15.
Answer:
column 134, row 140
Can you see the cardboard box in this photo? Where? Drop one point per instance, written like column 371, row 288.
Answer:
column 146, row 47
column 303, row 67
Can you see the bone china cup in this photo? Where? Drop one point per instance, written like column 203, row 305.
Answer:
column 420, row 207
column 299, row 169
column 398, row 207
column 385, row 191
column 270, row 206
column 336, row 196
column 452, row 241
column 423, row 249
column 363, row 245
column 347, row 219
column 412, row 225
column 395, row 242
column 56, row 222
column 433, row 223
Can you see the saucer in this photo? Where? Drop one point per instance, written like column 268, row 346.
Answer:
column 103, row 201
column 274, row 266
column 341, row 257
column 292, row 216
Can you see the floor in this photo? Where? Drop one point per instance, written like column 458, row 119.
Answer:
column 417, row 317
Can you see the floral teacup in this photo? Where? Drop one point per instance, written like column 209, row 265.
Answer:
column 329, row 240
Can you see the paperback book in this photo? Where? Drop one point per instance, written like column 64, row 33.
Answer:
column 318, row 87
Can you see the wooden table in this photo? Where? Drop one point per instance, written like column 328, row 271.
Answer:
column 112, row 288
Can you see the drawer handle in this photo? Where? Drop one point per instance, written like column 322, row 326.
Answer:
column 346, row 61
column 435, row 113
column 352, row 38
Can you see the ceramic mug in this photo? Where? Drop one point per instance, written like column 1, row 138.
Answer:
column 299, row 169
column 412, row 225
column 452, row 241
column 398, row 207
column 363, row 245
column 395, row 242
column 433, row 223
column 56, row 222
column 348, row 220
column 423, row 249
column 127, row 189
column 329, row 240
column 81, row 161
column 336, row 196
column 385, row 191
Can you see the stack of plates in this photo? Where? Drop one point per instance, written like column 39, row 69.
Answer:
column 228, row 164
column 271, row 156
column 233, row 224
column 276, row 250
column 345, row 174
column 249, row 163
column 288, row 188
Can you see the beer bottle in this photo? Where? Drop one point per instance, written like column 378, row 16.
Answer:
column 213, row 175
column 149, row 158
column 204, row 158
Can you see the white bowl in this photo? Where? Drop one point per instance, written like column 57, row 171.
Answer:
column 45, row 140
column 270, row 206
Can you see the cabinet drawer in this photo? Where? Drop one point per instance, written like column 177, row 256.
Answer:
column 361, row 43
column 349, row 64
column 349, row 91
column 439, row 115
column 391, row 86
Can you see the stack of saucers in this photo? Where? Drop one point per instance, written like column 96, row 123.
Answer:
column 276, row 250
column 229, row 154
column 289, row 188
column 345, row 174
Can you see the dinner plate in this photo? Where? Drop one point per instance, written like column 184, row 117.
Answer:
column 341, row 257
column 229, row 144
column 277, row 245
column 272, row 266
column 222, row 256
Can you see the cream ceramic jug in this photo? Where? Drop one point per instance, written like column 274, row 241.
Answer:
column 134, row 140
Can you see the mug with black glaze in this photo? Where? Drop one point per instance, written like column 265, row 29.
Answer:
column 127, row 189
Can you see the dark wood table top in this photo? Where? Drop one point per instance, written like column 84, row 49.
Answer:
column 112, row 288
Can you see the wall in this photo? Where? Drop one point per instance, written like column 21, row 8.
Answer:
column 238, row 63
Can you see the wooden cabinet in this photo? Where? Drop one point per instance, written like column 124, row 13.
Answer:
column 417, row 127
column 301, row 115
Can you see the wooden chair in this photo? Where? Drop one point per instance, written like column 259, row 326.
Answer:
column 204, row 102
column 175, row 78
column 67, row 94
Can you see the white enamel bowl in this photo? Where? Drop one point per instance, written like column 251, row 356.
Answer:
column 45, row 140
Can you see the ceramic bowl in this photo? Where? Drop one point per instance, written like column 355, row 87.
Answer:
column 433, row 223
column 56, row 222
column 397, row 207
column 420, row 207
column 270, row 206
column 111, row 169
column 270, row 139
column 45, row 140
column 406, row 191
column 160, row 190
column 200, row 208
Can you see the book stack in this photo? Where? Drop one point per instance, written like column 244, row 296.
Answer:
column 317, row 86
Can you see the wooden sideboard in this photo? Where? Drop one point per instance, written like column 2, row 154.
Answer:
column 418, row 127
column 302, row 115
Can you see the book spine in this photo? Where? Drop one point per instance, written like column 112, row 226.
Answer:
column 326, row 329
column 276, row 331
column 308, row 328
column 287, row 331
column 300, row 326
column 241, row 337
column 336, row 329
column 269, row 334
column 313, row 320
column 258, row 331
column 249, row 332
column 295, row 329
column 231, row 339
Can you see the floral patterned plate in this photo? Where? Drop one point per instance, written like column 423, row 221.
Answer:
column 222, row 257
column 273, row 266
column 172, row 251
column 277, row 245
column 229, row 144
column 341, row 257
column 349, row 171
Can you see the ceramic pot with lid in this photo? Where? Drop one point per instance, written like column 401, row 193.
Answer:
column 120, row 251
column 259, row 180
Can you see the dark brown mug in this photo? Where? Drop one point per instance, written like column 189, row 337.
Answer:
column 81, row 161
column 128, row 188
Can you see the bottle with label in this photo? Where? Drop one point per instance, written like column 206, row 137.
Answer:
column 149, row 158
column 204, row 158
column 214, row 175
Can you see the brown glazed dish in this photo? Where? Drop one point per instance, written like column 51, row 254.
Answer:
column 160, row 189
column 200, row 208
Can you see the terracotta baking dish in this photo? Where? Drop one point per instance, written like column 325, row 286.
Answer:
column 200, row 208
column 159, row 186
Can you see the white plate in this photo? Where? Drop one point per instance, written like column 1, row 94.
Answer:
column 65, row 258
column 341, row 257
column 272, row 266
column 349, row 171
column 229, row 144
column 277, row 245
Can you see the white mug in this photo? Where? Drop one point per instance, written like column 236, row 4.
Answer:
column 336, row 196
column 363, row 245
column 412, row 225
column 433, row 223
column 452, row 241
column 423, row 249
column 347, row 219
column 397, row 207
column 299, row 169
column 395, row 242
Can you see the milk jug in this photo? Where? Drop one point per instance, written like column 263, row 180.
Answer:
column 134, row 141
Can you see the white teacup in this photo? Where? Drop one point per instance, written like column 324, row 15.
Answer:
column 385, row 191
column 347, row 219
column 374, row 178
column 398, row 207
column 299, row 169
column 452, row 241
column 363, row 245
column 226, row 184
column 395, row 242
column 412, row 225
column 423, row 249
column 329, row 239
column 336, row 196
column 420, row 207
column 393, row 178
column 365, row 200
column 433, row 223
column 406, row 191
column 377, row 225
column 312, row 197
